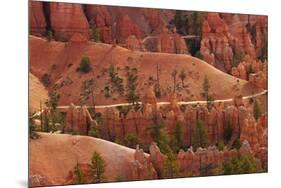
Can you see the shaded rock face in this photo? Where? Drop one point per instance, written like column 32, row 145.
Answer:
column 216, row 121
column 255, row 132
column 255, row 71
column 203, row 161
column 67, row 19
column 77, row 121
column 125, row 27
column 157, row 158
column 85, row 170
column 38, row 180
column 226, row 38
column 101, row 19
column 37, row 19
column 258, row 79
column 133, row 43
column 113, row 25
column 171, row 42
column 142, row 168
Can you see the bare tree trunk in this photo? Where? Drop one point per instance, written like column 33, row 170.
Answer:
column 157, row 78
column 41, row 118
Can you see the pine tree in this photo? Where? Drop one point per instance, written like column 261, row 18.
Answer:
column 159, row 136
column 171, row 166
column 199, row 136
column 206, row 87
column 157, row 87
column 177, row 141
column 85, row 65
column 98, row 168
column 179, row 22
column 256, row 110
column 174, row 76
column 182, row 76
column 78, row 174
column 132, row 78
column 240, row 164
column 227, row 134
column 206, row 94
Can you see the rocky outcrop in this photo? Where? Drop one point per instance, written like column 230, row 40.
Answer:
column 142, row 167
column 171, row 42
column 125, row 27
column 38, row 180
column 227, row 38
column 37, row 19
column 255, row 132
column 157, row 158
column 258, row 79
column 100, row 19
column 67, row 19
column 203, row 161
column 133, row 43
column 77, row 120
column 85, row 170
column 149, row 101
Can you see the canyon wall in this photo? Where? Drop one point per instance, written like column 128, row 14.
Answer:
column 37, row 20
column 227, row 38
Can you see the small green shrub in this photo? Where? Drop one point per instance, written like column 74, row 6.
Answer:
column 85, row 65
column 45, row 79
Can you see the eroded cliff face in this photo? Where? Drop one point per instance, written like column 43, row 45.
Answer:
column 140, row 168
column 37, row 18
column 127, row 27
column 67, row 19
column 236, row 117
column 227, row 39
column 101, row 20
column 171, row 42
column 255, row 71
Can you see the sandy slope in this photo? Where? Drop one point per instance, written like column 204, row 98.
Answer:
column 61, row 60
column 54, row 155
column 37, row 93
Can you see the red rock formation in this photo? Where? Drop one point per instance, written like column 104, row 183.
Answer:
column 86, row 171
column 142, row 167
column 249, row 132
column 252, row 70
column 125, row 27
column 67, row 19
column 78, row 38
column 157, row 158
column 133, row 43
column 189, row 163
column 231, row 118
column 37, row 19
column 255, row 132
column 38, row 181
column 258, row 79
column 152, row 15
column 77, row 120
column 111, row 129
column 238, row 100
column 225, row 37
column 149, row 99
column 100, row 18
column 171, row 42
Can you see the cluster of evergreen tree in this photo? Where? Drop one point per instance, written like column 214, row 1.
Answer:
column 115, row 79
column 190, row 24
column 132, row 78
column 97, row 170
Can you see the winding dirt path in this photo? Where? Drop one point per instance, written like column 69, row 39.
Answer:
column 167, row 103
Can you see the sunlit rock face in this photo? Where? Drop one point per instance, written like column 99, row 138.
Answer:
column 67, row 19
